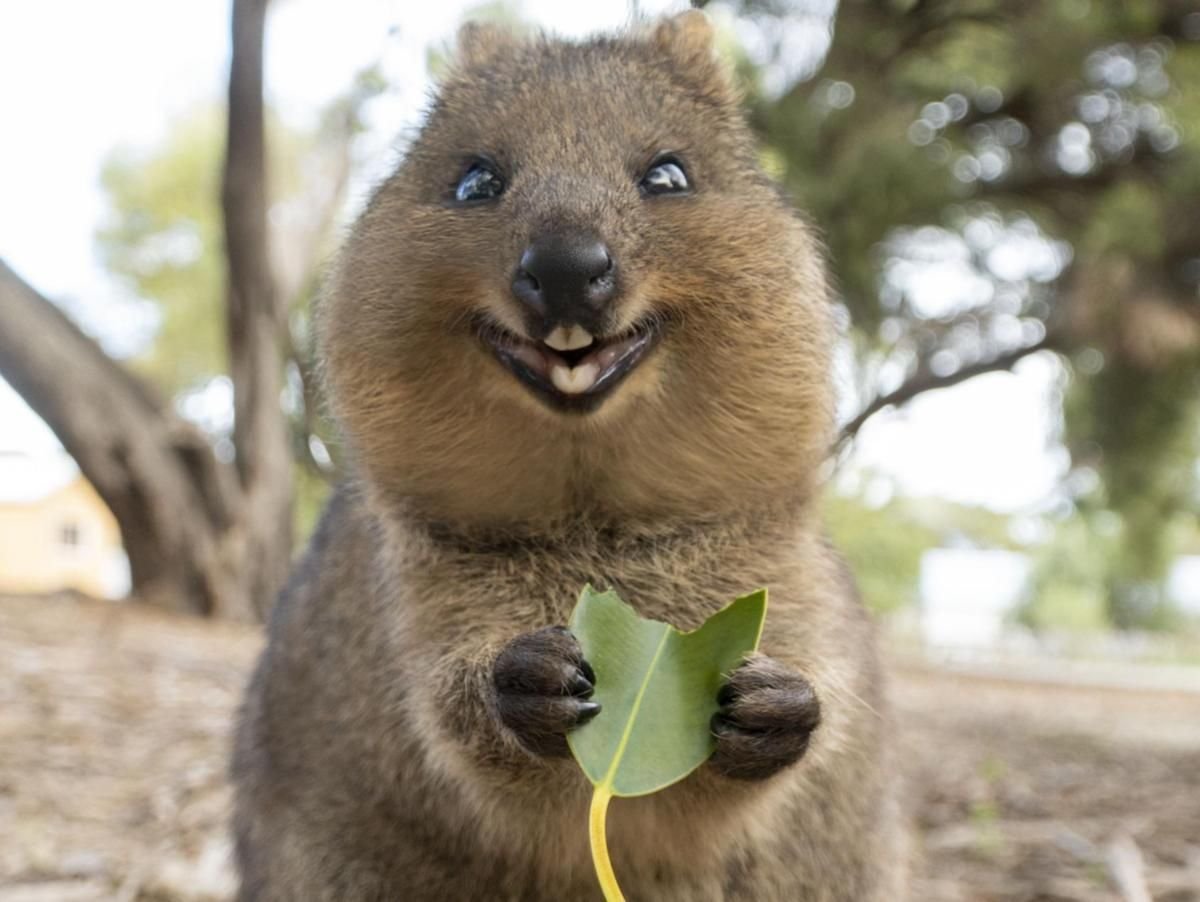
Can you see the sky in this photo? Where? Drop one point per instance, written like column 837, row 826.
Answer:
column 80, row 78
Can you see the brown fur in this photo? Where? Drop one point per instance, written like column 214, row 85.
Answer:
column 373, row 761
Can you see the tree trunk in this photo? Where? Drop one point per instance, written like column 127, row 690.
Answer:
column 255, row 323
column 202, row 536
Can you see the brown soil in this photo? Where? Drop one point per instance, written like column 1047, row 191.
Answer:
column 114, row 726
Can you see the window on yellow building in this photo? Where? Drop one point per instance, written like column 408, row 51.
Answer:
column 69, row 535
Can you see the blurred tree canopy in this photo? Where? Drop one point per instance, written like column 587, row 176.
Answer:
column 162, row 240
column 162, row 235
column 998, row 177
column 884, row 540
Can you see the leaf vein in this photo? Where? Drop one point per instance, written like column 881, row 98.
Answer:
column 627, row 733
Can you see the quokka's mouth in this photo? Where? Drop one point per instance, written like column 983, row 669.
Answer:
column 570, row 369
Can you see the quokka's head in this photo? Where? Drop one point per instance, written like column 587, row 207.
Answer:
column 578, row 295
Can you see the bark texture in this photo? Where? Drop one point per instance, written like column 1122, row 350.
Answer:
column 256, row 323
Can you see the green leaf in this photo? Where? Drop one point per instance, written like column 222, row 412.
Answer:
column 658, row 690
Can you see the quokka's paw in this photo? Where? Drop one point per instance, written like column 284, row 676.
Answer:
column 542, row 688
column 768, row 714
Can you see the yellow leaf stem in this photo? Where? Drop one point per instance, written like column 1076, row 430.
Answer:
column 596, row 831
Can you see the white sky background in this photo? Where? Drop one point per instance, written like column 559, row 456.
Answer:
column 79, row 78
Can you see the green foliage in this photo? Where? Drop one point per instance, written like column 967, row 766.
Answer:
column 312, row 491
column 1082, row 116
column 1141, row 425
column 1090, row 576
column 163, row 238
column 883, row 548
column 1068, row 581
column 1061, row 606
column 1128, row 221
column 658, row 690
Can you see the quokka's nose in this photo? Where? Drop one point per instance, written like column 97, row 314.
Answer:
column 566, row 279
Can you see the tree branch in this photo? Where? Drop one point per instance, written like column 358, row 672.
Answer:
column 154, row 471
column 308, row 419
column 926, row 381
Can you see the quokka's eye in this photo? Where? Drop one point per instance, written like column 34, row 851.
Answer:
column 665, row 176
column 480, row 182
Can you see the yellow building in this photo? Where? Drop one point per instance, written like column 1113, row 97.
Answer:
column 55, row 532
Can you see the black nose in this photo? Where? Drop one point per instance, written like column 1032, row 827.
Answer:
column 566, row 279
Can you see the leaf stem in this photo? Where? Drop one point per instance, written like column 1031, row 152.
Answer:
column 596, row 831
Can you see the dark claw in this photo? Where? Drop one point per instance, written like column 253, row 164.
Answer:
column 541, row 682
column 587, row 710
column 580, row 686
column 727, row 695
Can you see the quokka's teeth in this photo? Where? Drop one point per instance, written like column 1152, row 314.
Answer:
column 574, row 381
column 557, row 339
column 579, row 338
column 568, row 338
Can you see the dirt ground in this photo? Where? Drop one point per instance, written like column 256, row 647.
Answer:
column 114, row 724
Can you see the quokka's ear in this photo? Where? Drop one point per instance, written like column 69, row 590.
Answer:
column 687, row 37
column 479, row 42
column 688, row 41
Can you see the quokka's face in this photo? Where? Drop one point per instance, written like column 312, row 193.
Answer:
column 578, row 242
